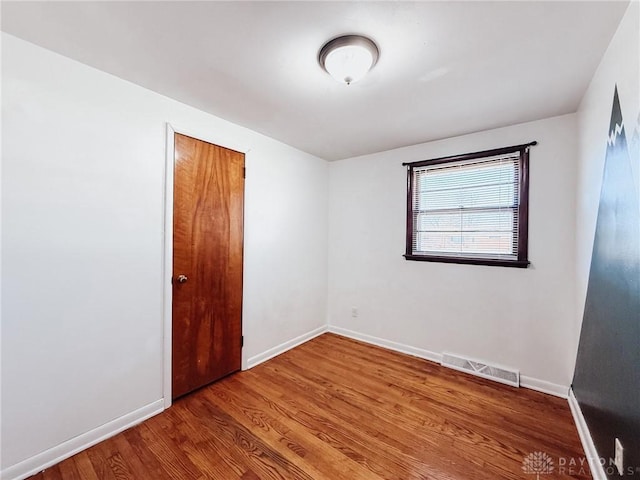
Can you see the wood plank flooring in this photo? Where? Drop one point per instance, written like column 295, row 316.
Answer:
column 337, row 409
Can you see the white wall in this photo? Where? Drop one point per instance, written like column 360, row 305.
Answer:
column 620, row 65
column 82, row 210
column 459, row 308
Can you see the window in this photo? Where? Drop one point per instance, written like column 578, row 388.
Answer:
column 470, row 208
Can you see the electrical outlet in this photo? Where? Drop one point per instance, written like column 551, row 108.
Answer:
column 354, row 312
column 619, row 457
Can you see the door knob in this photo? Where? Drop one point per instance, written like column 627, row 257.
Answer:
column 182, row 278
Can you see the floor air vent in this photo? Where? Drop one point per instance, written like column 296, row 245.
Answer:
column 499, row 374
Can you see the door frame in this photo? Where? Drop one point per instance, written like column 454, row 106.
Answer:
column 205, row 135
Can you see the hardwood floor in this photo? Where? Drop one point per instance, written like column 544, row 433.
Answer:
column 337, row 409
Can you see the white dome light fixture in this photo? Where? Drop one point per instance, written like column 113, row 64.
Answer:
column 348, row 58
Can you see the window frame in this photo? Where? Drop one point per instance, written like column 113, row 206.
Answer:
column 523, row 208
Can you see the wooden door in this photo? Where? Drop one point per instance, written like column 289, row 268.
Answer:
column 208, row 199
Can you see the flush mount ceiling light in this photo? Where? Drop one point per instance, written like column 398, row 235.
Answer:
column 348, row 58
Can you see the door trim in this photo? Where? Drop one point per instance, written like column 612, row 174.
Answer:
column 167, row 247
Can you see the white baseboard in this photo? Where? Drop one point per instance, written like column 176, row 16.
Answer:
column 543, row 386
column 526, row 382
column 54, row 455
column 597, row 470
column 283, row 347
column 381, row 342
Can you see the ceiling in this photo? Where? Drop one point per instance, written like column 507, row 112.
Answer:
column 445, row 68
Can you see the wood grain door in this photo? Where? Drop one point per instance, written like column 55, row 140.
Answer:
column 208, row 207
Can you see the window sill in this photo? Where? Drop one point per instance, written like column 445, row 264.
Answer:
column 469, row 261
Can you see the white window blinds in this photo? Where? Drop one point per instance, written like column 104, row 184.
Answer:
column 468, row 208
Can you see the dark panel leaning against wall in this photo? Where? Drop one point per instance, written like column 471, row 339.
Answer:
column 606, row 382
